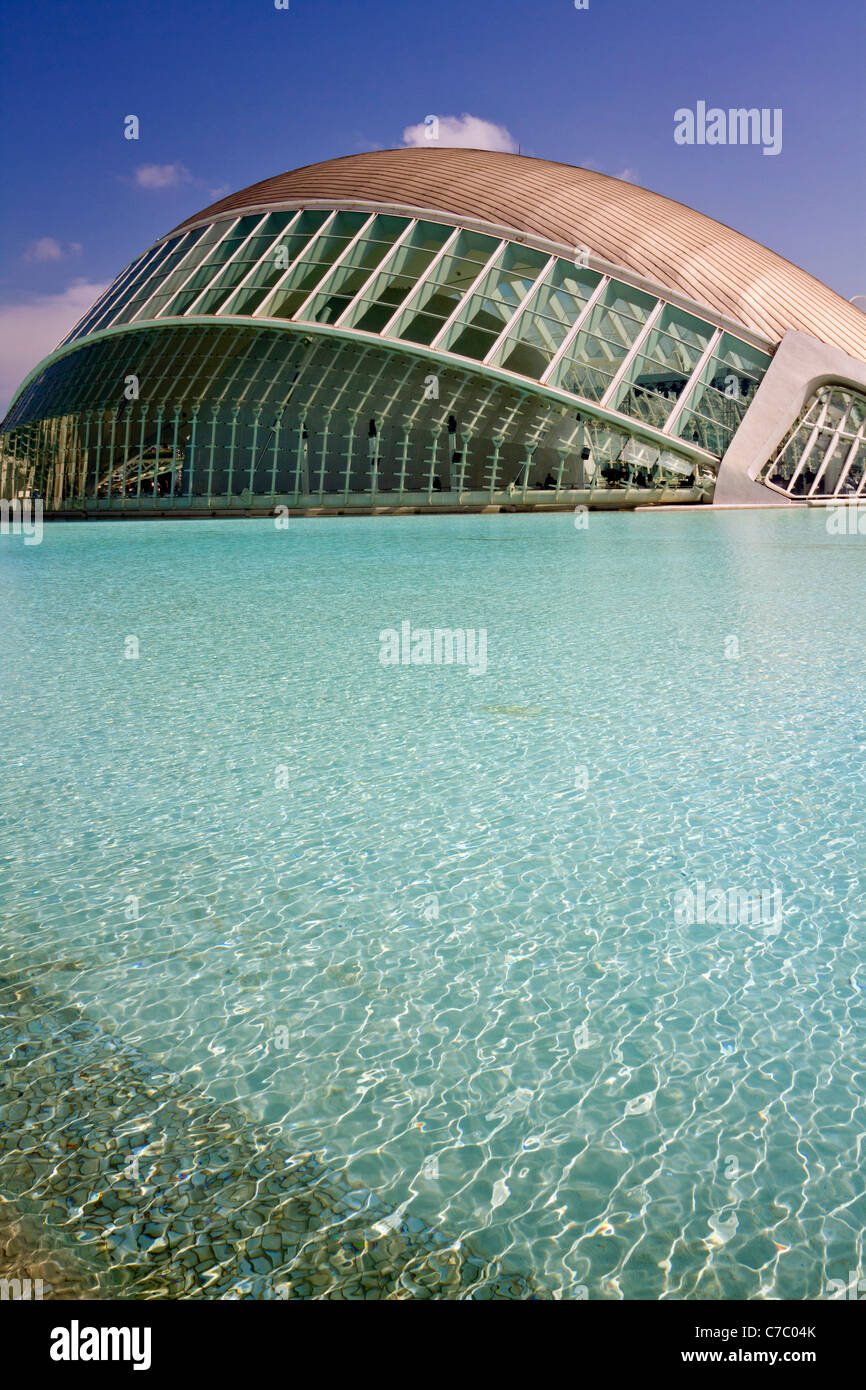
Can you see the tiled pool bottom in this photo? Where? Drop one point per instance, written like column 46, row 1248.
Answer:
column 421, row 925
column 160, row 1193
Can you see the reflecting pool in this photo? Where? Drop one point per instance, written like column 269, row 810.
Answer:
column 542, row 979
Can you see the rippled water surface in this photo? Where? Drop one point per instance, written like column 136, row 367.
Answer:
column 433, row 925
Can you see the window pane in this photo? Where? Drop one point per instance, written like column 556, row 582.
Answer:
column 110, row 302
column 400, row 274
column 165, row 261
column 708, row 434
column 443, row 291
column 288, row 244
column 307, row 272
column 542, row 326
column 496, row 300
column 353, row 272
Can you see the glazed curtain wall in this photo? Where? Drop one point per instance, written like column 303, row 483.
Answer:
column 457, row 291
column 234, row 414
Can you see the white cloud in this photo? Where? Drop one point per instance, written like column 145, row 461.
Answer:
column 163, row 176
column 29, row 330
column 627, row 175
column 48, row 248
column 464, row 132
column 156, row 177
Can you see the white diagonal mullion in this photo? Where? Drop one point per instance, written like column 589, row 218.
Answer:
column 694, row 380
column 107, row 321
column 232, row 222
column 115, row 286
column 188, row 252
column 225, row 265
column 161, row 279
column 576, row 327
column 813, row 435
column 464, row 299
column 828, row 454
column 347, row 249
column 268, row 251
column 381, row 269
column 533, row 289
column 851, row 454
column 142, row 275
column 421, row 281
column 314, row 237
column 633, row 352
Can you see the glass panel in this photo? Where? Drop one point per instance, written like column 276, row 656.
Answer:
column 785, row 466
column 530, row 348
column 170, row 253
column 398, row 278
column 199, row 254
column 439, row 295
column 565, row 292
column 582, row 380
column 158, row 285
column 592, row 360
column 708, row 434
column 289, row 244
column 288, row 297
column 722, row 394
column 854, row 478
column 486, row 313
column 829, row 480
column 651, row 397
column 113, row 297
column 169, row 281
column 729, row 404
column 541, row 328
column 743, row 358
column 353, row 272
column 856, row 414
column 471, row 340
column 601, row 345
column 207, row 266
column 660, row 374
column 799, row 462
column 228, row 279
column 624, row 299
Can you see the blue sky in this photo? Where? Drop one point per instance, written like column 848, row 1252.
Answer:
column 231, row 91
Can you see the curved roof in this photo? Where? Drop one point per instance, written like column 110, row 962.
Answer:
column 652, row 236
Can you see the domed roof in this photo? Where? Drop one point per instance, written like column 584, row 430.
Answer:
column 654, row 237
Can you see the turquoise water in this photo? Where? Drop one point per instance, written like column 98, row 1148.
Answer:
column 431, row 921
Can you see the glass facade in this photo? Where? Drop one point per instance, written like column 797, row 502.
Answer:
column 717, row 401
column 236, row 415
column 460, row 292
column 538, row 379
column 824, row 454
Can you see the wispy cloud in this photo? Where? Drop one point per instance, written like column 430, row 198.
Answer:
column 31, row 328
column 48, row 248
column 158, row 177
column 464, row 132
column 163, row 176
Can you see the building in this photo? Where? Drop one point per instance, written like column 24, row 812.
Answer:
column 432, row 329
